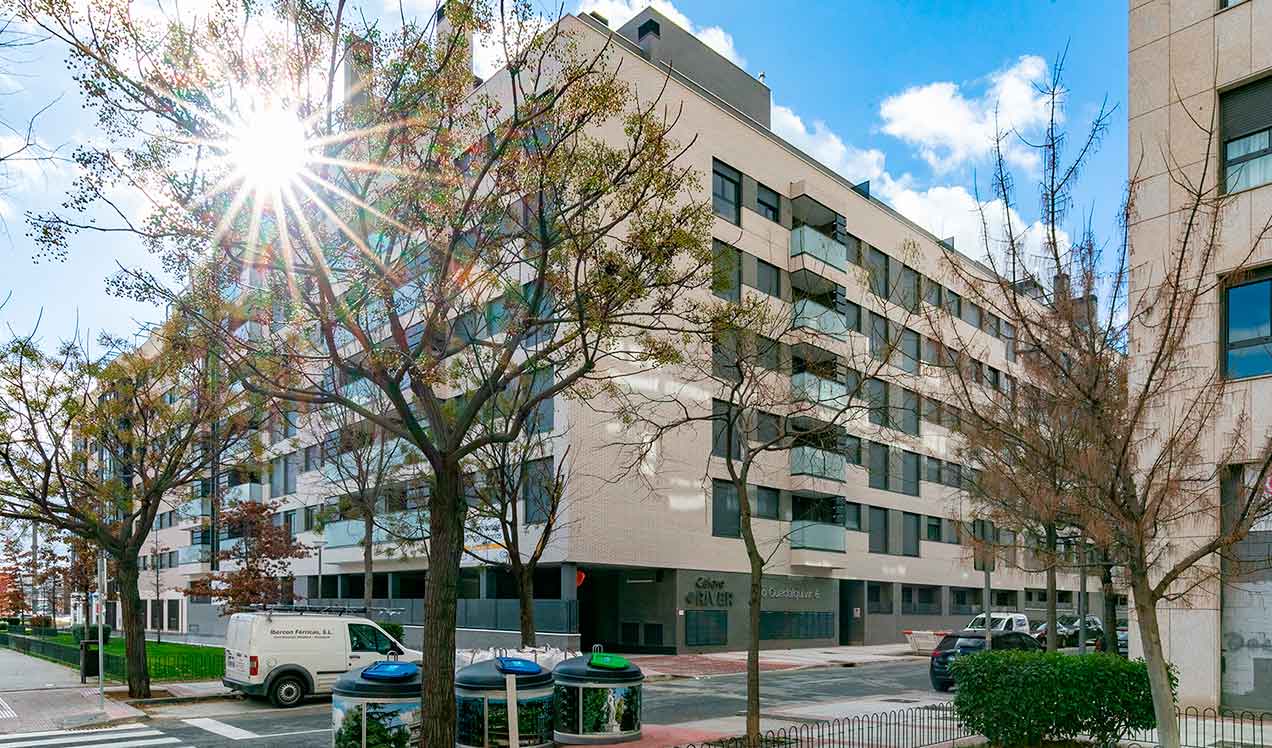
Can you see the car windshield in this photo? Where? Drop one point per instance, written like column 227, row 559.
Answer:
column 979, row 622
column 947, row 643
column 1066, row 620
column 969, row 642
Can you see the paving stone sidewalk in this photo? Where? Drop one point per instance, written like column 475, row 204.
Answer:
column 723, row 663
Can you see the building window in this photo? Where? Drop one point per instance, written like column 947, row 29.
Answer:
column 910, row 473
column 726, row 277
column 726, row 192
column 933, row 474
column 906, row 287
column 906, row 417
column 766, row 501
column 310, row 518
column 880, row 345
column 878, row 465
column 878, row 530
column 953, row 474
column 768, row 427
column 726, row 437
column 852, row 449
column 156, row 614
column 538, row 485
column 768, row 353
column 852, row 515
column 1009, row 341
column 932, row 411
column 909, row 359
column 1248, row 338
column 910, row 524
column 726, row 513
column 706, row 628
column 972, row 314
column 877, row 267
column 924, row 601
column 789, row 624
column 953, row 303
column 174, row 615
column 877, row 400
column 934, row 529
column 725, row 363
column 879, row 598
column 311, row 457
column 768, row 278
column 852, row 315
column 932, row 292
column 1246, row 123
column 767, row 203
column 282, row 478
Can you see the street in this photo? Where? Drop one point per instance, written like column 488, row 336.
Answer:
column 255, row 723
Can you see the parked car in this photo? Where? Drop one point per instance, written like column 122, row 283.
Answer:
column 287, row 656
column 968, row 642
column 1067, row 630
column 1002, row 622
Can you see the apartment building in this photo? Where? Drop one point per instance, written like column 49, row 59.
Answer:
column 1211, row 61
column 866, row 536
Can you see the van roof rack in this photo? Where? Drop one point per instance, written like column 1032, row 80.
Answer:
column 338, row 610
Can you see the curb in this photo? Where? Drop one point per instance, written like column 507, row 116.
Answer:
column 794, row 668
column 164, row 700
column 113, row 721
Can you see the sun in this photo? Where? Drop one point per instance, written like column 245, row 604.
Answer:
column 269, row 149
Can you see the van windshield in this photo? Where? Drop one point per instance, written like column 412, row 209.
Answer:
column 364, row 638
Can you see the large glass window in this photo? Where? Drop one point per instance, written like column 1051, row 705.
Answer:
column 726, row 436
column 726, row 192
column 706, row 628
column 906, row 287
column 878, row 530
column 909, row 348
column 1245, row 121
column 932, row 292
column 726, row 513
column 877, row 398
column 933, row 529
column 878, row 465
column 852, row 515
column 877, row 266
column 766, row 502
column 1248, row 310
column 910, row 524
column 768, row 278
column 1248, row 161
column 906, row 417
column 726, row 276
column 767, row 202
column 910, row 473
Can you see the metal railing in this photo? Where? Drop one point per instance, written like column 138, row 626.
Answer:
column 1203, row 727
column 193, row 664
column 904, row 728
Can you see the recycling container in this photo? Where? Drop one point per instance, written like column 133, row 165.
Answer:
column 377, row 706
column 481, row 702
column 598, row 699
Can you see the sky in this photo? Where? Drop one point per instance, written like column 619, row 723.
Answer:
column 900, row 92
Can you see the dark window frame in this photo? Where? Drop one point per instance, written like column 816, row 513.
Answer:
column 1262, row 276
column 724, row 177
column 768, row 202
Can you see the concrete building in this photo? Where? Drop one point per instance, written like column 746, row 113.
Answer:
column 866, row 539
column 1210, row 61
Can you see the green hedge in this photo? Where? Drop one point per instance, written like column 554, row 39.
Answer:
column 1018, row 698
column 80, row 634
column 392, row 629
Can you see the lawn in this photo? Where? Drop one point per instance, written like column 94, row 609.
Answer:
column 167, row 660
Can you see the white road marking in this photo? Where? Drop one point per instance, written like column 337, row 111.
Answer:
column 285, row 734
column 116, row 728
column 216, row 727
column 6, row 711
column 94, row 739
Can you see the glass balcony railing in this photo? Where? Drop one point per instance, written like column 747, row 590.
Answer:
column 818, row 536
column 350, row 532
column 811, row 315
column 346, row 466
column 244, row 492
column 195, row 508
column 194, row 554
column 806, row 240
column 812, row 388
column 821, row 463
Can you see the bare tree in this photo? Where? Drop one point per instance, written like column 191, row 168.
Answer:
column 1151, row 430
column 767, row 381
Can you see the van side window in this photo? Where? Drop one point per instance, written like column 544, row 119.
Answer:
column 364, row 638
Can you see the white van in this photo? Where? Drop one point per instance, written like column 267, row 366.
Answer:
column 288, row 656
column 1002, row 622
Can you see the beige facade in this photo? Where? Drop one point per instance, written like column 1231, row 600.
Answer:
column 658, row 569
column 1193, row 61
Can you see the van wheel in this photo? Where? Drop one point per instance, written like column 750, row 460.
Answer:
column 287, row 691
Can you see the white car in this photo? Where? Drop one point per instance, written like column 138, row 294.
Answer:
column 1002, row 622
column 290, row 655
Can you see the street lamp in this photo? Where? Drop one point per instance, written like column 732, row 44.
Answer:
column 319, row 544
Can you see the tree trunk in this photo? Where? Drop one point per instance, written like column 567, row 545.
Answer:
column 445, row 546
column 134, row 624
column 753, row 651
column 368, row 548
column 1155, row 659
column 525, row 598
column 1052, row 640
column 88, row 607
column 1110, row 608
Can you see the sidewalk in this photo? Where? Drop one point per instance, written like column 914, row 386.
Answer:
column 724, row 663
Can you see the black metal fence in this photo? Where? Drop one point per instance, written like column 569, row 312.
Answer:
column 187, row 664
column 913, row 727
column 1204, row 727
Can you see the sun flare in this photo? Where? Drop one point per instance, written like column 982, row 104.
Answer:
column 269, row 150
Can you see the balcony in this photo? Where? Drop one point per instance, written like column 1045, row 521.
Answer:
column 818, row 536
column 812, row 388
column 813, row 316
column 345, row 467
column 194, row 554
column 350, row 532
column 806, row 240
column 195, row 508
column 820, row 463
column 244, row 492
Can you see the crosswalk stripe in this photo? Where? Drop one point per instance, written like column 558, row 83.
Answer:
column 90, row 740
column 216, row 727
column 6, row 711
column 116, row 728
column 139, row 743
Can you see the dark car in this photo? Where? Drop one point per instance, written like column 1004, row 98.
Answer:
column 970, row 642
column 1067, row 630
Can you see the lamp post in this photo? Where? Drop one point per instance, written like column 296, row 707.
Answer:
column 319, row 544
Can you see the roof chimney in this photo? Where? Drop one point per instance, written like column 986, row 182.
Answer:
column 447, row 33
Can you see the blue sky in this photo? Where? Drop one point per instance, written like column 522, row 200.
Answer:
column 901, row 93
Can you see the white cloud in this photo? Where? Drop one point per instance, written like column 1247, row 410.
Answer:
column 827, row 147
column 951, row 129
column 618, row 12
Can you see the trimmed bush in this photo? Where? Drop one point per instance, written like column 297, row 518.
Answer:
column 41, row 622
column 1021, row 698
column 90, row 632
column 392, row 629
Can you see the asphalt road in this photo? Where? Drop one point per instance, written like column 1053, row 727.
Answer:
column 253, row 724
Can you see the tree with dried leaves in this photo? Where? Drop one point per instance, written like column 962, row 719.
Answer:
column 94, row 447
column 255, row 559
column 394, row 227
column 1149, row 432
